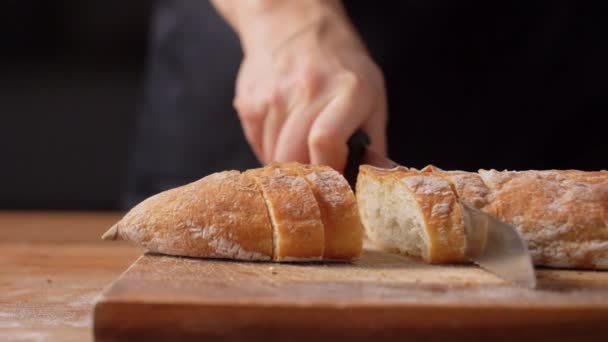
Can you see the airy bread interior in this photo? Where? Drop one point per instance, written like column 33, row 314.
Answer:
column 392, row 216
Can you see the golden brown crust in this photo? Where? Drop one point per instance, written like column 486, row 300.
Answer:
column 339, row 213
column 220, row 216
column 562, row 214
column 295, row 215
column 438, row 203
column 228, row 215
column 467, row 186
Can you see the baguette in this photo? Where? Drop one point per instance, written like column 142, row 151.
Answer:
column 563, row 215
column 282, row 212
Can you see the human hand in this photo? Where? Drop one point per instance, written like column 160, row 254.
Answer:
column 301, row 98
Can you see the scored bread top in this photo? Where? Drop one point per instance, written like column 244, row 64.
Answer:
column 221, row 216
column 294, row 212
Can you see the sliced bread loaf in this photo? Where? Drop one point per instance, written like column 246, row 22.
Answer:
column 283, row 212
column 563, row 215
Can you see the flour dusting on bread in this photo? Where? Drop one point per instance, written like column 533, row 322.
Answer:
column 563, row 215
column 269, row 213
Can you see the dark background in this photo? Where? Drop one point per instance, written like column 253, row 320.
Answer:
column 70, row 84
column 472, row 84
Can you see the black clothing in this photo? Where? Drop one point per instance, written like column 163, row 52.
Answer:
column 471, row 84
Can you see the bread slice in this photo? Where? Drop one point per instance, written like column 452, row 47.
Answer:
column 338, row 206
column 294, row 213
column 220, row 216
column 411, row 212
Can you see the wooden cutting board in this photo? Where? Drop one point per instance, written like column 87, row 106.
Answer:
column 380, row 297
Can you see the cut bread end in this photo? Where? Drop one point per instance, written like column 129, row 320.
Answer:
column 391, row 215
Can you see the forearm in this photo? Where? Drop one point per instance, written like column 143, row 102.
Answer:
column 271, row 22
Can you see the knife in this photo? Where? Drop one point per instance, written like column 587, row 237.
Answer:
column 490, row 243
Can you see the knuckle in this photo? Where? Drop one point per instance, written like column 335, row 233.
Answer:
column 352, row 81
column 308, row 83
column 273, row 97
column 320, row 139
column 309, row 88
column 247, row 111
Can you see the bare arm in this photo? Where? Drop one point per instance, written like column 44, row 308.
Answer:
column 306, row 82
column 271, row 22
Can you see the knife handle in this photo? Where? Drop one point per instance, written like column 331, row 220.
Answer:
column 356, row 150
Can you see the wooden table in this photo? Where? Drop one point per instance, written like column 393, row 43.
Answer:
column 52, row 267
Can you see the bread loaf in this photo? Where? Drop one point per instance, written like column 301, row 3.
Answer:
column 282, row 212
column 563, row 215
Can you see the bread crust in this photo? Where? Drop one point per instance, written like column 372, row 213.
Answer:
column 562, row 214
column 228, row 215
column 220, row 216
column 439, row 206
column 342, row 225
column 468, row 186
column 294, row 213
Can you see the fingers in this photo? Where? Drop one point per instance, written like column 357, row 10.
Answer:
column 352, row 110
column 310, row 116
column 375, row 127
column 252, row 121
column 292, row 141
column 318, row 136
column 262, row 114
column 305, row 103
column 250, row 108
column 273, row 123
column 334, row 125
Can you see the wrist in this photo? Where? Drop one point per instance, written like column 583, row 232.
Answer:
column 269, row 23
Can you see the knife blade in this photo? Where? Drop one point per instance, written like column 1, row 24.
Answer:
column 497, row 247
column 491, row 243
